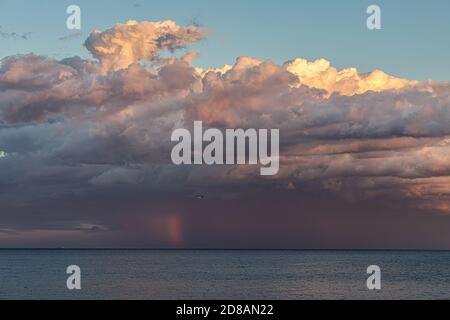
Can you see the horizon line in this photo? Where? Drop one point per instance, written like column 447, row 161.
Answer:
column 213, row 249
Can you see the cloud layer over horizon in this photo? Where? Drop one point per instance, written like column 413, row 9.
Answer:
column 85, row 150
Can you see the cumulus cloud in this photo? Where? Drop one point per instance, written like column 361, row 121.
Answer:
column 75, row 132
column 321, row 75
column 125, row 44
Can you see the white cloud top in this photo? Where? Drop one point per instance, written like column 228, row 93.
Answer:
column 125, row 44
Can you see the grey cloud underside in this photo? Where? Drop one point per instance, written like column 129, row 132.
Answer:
column 82, row 145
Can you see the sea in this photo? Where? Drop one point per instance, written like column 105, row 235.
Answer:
column 223, row 274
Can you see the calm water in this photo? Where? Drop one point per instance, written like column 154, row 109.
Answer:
column 148, row 274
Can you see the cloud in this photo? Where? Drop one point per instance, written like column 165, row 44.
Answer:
column 321, row 75
column 14, row 35
column 70, row 36
column 87, row 143
column 125, row 44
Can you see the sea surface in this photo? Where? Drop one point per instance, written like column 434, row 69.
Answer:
column 203, row 274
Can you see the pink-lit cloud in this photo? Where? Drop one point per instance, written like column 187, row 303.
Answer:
column 75, row 128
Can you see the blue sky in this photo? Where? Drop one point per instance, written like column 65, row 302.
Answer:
column 413, row 42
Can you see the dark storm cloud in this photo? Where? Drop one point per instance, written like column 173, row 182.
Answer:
column 85, row 151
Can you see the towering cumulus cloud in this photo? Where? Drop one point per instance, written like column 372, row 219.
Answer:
column 85, row 150
column 125, row 44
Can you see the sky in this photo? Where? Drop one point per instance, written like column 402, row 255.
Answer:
column 86, row 119
column 413, row 32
